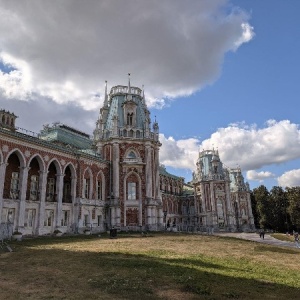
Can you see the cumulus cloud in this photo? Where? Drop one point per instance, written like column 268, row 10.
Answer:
column 259, row 176
column 252, row 147
column 64, row 50
column 179, row 154
column 290, row 178
column 240, row 144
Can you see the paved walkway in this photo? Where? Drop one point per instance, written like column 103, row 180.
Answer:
column 255, row 237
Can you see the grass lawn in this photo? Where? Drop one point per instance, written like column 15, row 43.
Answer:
column 158, row 266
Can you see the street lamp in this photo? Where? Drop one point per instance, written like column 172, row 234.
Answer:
column 165, row 218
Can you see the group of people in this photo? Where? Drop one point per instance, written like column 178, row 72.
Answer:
column 295, row 234
column 296, row 237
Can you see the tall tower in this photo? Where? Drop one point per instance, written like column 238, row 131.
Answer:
column 212, row 189
column 124, row 137
column 241, row 202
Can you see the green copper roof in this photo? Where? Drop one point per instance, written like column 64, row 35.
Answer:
column 163, row 171
column 66, row 135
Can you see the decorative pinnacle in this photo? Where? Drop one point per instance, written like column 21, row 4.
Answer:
column 105, row 95
column 129, row 89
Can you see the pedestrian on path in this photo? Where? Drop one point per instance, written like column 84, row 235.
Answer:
column 262, row 234
column 296, row 237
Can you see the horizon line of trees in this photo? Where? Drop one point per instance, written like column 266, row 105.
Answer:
column 277, row 209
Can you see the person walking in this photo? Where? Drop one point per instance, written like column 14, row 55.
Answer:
column 296, row 237
column 262, row 234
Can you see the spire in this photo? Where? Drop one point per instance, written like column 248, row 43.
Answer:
column 143, row 95
column 129, row 88
column 105, row 95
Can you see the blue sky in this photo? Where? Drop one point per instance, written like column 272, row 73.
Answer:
column 260, row 81
column 217, row 73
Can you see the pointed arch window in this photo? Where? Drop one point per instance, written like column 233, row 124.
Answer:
column 131, row 191
column 34, row 187
column 131, row 154
column 130, row 119
column 87, row 188
column 99, row 190
column 14, row 185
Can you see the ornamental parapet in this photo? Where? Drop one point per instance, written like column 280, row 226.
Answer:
column 122, row 89
column 91, row 202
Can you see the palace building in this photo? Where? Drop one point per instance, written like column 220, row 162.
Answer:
column 63, row 179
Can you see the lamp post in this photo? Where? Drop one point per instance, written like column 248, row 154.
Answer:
column 165, row 218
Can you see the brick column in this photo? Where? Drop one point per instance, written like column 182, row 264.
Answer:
column 23, row 189
column 42, row 191
column 59, row 193
column 2, row 180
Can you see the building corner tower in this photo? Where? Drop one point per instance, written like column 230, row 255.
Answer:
column 123, row 137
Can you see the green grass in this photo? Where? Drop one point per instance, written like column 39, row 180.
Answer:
column 160, row 266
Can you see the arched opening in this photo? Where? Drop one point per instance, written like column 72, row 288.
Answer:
column 87, row 182
column 220, row 212
column 12, row 178
column 33, row 180
column 67, row 197
column 51, row 183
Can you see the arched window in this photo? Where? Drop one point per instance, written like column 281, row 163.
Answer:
column 131, row 154
column 131, row 191
column 138, row 134
column 129, row 119
column 99, row 189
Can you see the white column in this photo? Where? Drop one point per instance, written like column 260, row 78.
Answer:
column 112, row 216
column 2, row 180
column 74, row 212
column 160, row 217
column 148, row 171
column 156, row 168
column 202, row 199
column 229, row 213
column 153, row 218
column 42, row 198
column 59, row 193
column 116, row 170
column 23, row 189
column 251, row 218
column 118, row 216
column 149, row 215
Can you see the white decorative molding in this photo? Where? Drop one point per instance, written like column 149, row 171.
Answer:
column 5, row 148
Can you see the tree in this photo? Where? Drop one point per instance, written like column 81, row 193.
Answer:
column 261, row 195
column 278, row 209
column 254, row 210
column 293, row 196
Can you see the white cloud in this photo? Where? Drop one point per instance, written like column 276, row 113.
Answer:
column 239, row 144
column 290, row 178
column 64, row 50
column 179, row 154
column 252, row 147
column 259, row 176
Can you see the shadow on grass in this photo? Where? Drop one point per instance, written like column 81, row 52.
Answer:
column 67, row 274
column 275, row 249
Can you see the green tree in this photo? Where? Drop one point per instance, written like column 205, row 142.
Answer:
column 278, row 209
column 293, row 195
column 254, row 210
column 262, row 195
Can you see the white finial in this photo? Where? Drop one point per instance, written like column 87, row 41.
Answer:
column 129, row 88
column 143, row 95
column 105, row 95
